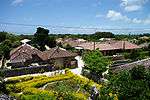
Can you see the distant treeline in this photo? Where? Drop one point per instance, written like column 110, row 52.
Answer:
column 98, row 35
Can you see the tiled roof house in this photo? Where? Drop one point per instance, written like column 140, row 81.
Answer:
column 109, row 46
column 25, row 55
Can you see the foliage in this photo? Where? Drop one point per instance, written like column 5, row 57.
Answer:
column 42, row 38
column 65, row 89
column 3, row 84
column 95, row 62
column 36, row 97
column 5, row 48
column 69, row 47
column 99, row 35
column 138, row 73
column 2, row 36
column 61, row 87
column 51, row 41
column 136, row 55
column 131, row 85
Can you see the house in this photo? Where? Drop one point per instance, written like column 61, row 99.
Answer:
column 72, row 42
column 60, row 57
column 110, row 47
column 26, row 55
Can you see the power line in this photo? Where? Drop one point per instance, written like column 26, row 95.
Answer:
column 55, row 29
column 68, row 27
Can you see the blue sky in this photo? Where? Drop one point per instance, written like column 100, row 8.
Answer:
column 107, row 14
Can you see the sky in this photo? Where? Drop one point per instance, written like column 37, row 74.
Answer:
column 104, row 15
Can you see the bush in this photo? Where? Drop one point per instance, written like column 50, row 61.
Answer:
column 37, row 97
column 131, row 85
column 19, row 79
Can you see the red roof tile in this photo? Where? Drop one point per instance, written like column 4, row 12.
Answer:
column 23, row 53
column 58, row 53
column 109, row 45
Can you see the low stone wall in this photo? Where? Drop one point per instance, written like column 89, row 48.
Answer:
column 129, row 66
column 26, row 70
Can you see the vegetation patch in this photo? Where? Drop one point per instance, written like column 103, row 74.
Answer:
column 66, row 86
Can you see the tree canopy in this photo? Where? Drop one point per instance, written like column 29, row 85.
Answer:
column 3, row 36
column 41, row 37
column 99, row 35
column 95, row 62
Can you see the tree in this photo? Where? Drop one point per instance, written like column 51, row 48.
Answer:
column 138, row 72
column 42, row 38
column 99, row 35
column 2, row 36
column 135, row 55
column 95, row 62
column 51, row 41
column 5, row 48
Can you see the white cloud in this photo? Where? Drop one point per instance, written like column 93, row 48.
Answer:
column 137, row 21
column 132, row 8
column 132, row 5
column 141, row 21
column 17, row 2
column 117, row 16
column 114, row 16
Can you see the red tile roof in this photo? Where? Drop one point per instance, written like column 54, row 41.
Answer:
column 109, row 45
column 58, row 53
column 23, row 53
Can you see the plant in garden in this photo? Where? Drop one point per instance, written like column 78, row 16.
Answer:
column 131, row 85
column 62, row 87
column 3, row 84
column 95, row 62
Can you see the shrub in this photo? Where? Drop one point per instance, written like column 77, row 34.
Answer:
column 14, row 88
column 37, row 97
column 18, row 79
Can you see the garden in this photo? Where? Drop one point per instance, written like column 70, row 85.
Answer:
column 60, row 87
